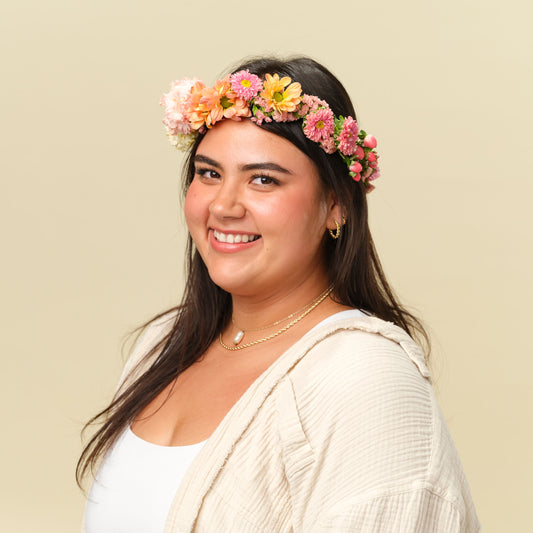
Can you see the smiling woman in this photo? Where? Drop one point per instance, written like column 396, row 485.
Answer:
column 252, row 185
column 286, row 392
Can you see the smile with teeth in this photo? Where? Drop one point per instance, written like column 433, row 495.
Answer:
column 234, row 237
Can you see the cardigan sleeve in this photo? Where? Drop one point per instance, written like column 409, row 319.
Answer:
column 383, row 458
column 409, row 511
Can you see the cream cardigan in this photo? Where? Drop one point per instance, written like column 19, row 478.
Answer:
column 342, row 433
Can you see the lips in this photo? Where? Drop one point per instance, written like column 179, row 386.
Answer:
column 234, row 238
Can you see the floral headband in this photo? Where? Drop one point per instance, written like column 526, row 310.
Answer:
column 192, row 108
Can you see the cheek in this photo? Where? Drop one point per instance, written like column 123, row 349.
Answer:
column 296, row 207
column 298, row 223
column 304, row 214
column 195, row 207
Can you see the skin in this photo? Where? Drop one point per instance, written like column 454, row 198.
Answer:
column 250, row 185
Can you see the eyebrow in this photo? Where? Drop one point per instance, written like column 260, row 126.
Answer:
column 207, row 160
column 266, row 165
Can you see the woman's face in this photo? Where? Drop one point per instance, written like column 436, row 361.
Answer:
column 257, row 212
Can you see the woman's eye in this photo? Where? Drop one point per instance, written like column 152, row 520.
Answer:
column 207, row 173
column 265, row 180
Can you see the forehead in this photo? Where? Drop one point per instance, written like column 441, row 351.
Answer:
column 241, row 143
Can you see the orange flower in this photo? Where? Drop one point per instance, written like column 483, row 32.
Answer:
column 197, row 112
column 211, row 104
column 278, row 97
column 205, row 104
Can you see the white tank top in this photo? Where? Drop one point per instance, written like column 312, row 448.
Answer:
column 135, row 485
column 137, row 481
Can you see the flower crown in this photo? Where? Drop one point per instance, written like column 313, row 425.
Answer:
column 192, row 108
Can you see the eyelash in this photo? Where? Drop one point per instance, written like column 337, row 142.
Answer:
column 270, row 179
column 203, row 171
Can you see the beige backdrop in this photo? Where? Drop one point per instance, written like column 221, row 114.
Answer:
column 92, row 239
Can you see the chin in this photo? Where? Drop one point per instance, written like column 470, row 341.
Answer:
column 232, row 286
column 235, row 284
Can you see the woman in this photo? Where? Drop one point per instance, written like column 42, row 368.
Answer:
column 286, row 393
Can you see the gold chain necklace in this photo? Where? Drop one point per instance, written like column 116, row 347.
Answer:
column 310, row 307
column 241, row 331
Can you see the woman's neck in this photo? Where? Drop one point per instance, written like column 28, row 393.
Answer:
column 250, row 312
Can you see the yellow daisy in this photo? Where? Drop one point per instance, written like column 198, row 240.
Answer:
column 279, row 98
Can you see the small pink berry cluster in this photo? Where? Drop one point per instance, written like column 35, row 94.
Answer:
column 192, row 108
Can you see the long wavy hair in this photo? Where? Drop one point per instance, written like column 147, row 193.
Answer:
column 353, row 267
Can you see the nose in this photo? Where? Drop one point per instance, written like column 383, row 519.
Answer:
column 227, row 202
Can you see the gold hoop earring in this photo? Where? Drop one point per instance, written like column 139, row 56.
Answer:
column 335, row 235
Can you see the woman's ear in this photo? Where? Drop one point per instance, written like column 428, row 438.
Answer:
column 335, row 212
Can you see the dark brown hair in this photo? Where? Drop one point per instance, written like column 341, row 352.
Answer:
column 354, row 270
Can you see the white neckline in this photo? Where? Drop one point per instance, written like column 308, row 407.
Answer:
column 132, row 436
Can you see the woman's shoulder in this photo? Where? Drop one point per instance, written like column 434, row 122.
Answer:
column 361, row 348
column 148, row 339
column 364, row 376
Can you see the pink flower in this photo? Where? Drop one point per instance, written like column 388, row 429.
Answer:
column 245, row 85
column 371, row 174
column 258, row 117
column 348, row 136
column 371, row 156
column 375, row 175
column 278, row 116
column 357, row 177
column 263, row 104
column 177, row 106
column 304, row 109
column 359, row 153
column 328, row 145
column 370, row 141
column 319, row 125
column 356, row 167
column 313, row 103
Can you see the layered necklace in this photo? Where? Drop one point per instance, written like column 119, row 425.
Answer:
column 302, row 313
